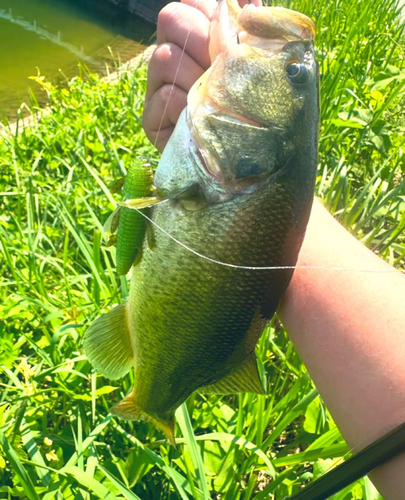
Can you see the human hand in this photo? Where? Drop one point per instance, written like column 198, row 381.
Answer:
column 172, row 70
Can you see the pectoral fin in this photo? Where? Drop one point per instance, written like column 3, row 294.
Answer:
column 245, row 378
column 140, row 203
column 128, row 410
column 107, row 343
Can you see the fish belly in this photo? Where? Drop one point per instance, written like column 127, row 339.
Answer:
column 194, row 321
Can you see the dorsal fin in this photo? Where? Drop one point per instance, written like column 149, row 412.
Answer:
column 107, row 343
column 245, row 378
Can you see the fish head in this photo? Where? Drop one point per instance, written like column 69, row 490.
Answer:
column 257, row 106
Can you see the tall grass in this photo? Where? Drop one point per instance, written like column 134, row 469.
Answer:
column 57, row 439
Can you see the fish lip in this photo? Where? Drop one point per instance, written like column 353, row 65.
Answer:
column 243, row 120
column 267, row 27
column 277, row 23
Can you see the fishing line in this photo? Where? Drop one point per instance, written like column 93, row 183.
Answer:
column 259, row 268
column 174, row 82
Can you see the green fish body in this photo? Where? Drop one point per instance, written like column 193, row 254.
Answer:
column 240, row 170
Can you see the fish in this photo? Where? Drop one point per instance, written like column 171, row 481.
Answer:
column 232, row 196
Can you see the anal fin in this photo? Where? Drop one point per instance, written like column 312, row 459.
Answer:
column 128, row 410
column 245, row 378
column 107, row 343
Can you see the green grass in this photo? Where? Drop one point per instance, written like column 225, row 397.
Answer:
column 57, row 439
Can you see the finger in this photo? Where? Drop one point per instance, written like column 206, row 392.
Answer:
column 181, row 25
column 169, row 64
column 258, row 3
column 162, row 112
column 207, row 7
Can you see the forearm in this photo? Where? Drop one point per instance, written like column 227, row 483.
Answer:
column 348, row 327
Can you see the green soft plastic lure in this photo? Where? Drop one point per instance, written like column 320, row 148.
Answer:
column 132, row 225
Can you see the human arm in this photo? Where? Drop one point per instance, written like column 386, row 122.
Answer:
column 348, row 326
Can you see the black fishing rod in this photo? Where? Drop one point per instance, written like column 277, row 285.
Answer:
column 357, row 466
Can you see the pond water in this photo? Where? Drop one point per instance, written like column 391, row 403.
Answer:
column 52, row 36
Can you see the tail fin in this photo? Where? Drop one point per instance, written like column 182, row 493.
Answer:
column 128, row 410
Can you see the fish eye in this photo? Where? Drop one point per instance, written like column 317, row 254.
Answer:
column 297, row 73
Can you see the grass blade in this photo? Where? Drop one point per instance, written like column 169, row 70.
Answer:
column 178, row 479
column 30, row 444
column 184, row 422
column 89, row 483
column 128, row 494
column 18, row 468
column 240, row 441
column 88, row 441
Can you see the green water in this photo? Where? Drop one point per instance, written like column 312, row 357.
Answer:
column 52, row 36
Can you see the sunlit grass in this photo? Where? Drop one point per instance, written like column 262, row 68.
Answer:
column 57, row 439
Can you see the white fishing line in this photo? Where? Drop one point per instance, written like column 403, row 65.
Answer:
column 260, row 268
column 172, row 87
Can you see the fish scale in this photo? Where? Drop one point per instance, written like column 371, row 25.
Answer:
column 186, row 311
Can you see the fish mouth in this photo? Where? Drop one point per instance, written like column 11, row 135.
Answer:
column 206, row 158
column 268, row 28
column 276, row 23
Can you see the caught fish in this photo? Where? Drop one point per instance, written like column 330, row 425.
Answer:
column 238, row 173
